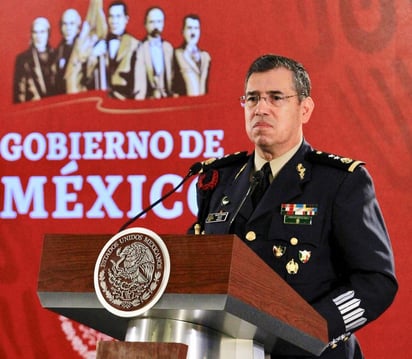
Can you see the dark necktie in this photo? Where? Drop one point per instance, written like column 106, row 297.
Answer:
column 262, row 185
column 113, row 37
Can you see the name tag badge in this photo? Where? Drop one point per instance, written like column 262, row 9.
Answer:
column 217, row 217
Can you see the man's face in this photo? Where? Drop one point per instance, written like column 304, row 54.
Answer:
column 191, row 31
column 40, row 36
column 155, row 22
column 117, row 20
column 70, row 26
column 275, row 128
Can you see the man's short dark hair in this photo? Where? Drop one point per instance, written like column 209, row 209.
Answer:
column 120, row 3
column 269, row 61
column 190, row 16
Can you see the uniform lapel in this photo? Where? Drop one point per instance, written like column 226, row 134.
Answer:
column 239, row 189
column 148, row 62
column 38, row 74
column 124, row 48
column 168, row 55
column 190, row 62
column 229, row 200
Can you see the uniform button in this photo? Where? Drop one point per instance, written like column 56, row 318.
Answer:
column 250, row 236
column 294, row 241
column 334, row 345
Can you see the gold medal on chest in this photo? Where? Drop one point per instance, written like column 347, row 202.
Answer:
column 292, row 267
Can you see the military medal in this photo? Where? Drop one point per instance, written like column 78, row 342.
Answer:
column 292, row 267
column 304, row 256
column 279, row 251
column 298, row 213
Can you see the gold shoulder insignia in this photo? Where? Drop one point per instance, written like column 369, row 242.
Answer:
column 330, row 159
column 227, row 160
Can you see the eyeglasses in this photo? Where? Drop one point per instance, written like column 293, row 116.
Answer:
column 275, row 100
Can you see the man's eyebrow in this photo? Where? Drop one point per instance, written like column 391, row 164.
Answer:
column 275, row 92
column 271, row 92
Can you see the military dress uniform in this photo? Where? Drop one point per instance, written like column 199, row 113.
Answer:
column 319, row 226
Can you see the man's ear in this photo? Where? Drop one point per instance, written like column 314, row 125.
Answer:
column 307, row 107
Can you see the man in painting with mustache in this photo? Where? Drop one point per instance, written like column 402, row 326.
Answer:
column 191, row 63
column 157, row 57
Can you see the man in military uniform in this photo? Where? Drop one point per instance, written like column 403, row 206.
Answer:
column 317, row 223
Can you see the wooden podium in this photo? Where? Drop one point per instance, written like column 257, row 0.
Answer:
column 218, row 288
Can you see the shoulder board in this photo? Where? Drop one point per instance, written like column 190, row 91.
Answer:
column 329, row 159
column 227, row 160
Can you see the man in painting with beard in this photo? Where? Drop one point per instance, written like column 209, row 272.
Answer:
column 157, row 57
column 33, row 75
column 191, row 63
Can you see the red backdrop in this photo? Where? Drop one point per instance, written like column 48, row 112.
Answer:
column 359, row 56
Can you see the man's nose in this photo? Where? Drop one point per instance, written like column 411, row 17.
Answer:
column 262, row 106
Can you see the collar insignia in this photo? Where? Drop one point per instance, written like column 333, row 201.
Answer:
column 301, row 170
